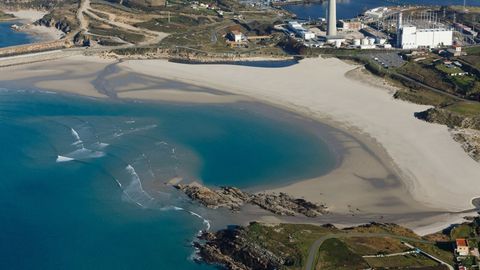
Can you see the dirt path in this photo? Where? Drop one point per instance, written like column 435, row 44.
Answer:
column 152, row 37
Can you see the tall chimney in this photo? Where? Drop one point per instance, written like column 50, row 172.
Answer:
column 332, row 18
column 399, row 29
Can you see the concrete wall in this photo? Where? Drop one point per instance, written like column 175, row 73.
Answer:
column 35, row 47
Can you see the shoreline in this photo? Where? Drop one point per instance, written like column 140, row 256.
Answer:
column 38, row 33
column 384, row 181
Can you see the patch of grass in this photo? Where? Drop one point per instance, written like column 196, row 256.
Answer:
column 402, row 261
column 335, row 254
column 467, row 109
column 441, row 253
column 375, row 245
column 5, row 16
column 384, row 228
column 289, row 240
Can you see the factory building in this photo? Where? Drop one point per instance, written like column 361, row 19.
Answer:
column 413, row 38
column 410, row 36
column 300, row 31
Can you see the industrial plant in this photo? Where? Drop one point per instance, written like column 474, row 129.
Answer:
column 379, row 28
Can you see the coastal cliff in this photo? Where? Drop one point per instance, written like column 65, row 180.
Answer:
column 233, row 198
column 233, row 249
column 464, row 129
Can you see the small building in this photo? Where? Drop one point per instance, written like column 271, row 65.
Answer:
column 307, row 35
column 455, row 51
column 462, row 247
column 351, row 25
column 236, row 36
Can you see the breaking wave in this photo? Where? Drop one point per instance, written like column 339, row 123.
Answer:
column 79, row 154
column 76, row 136
column 129, row 131
column 134, row 190
column 63, row 159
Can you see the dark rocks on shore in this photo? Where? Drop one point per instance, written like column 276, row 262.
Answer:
column 232, row 249
column 233, row 198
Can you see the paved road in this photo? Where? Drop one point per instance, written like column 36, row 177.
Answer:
column 310, row 265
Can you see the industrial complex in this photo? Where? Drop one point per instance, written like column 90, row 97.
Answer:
column 379, row 28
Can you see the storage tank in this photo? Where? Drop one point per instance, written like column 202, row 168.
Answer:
column 365, row 41
column 356, row 42
column 371, row 41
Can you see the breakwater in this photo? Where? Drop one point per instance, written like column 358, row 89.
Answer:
column 34, row 47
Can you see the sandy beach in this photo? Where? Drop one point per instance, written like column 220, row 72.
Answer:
column 42, row 33
column 394, row 165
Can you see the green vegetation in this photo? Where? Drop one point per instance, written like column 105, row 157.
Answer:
column 5, row 16
column 334, row 254
column 293, row 242
column 462, row 231
column 465, row 108
column 401, row 261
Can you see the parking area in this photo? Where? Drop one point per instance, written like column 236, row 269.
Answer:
column 388, row 60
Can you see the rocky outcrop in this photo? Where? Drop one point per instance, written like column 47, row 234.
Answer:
column 232, row 249
column 449, row 118
column 470, row 141
column 226, row 197
column 49, row 21
column 233, row 199
column 464, row 129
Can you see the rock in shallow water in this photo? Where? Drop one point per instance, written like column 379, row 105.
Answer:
column 233, row 199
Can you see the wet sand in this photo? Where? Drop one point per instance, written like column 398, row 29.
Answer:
column 393, row 168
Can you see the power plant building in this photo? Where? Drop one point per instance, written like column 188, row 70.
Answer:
column 431, row 35
column 299, row 30
column 412, row 37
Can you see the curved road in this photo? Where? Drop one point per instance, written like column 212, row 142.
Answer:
column 314, row 248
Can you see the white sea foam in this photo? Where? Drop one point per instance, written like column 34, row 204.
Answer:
column 101, row 145
column 75, row 134
column 118, row 182
column 130, row 122
column 64, row 159
column 205, row 221
column 133, row 130
column 161, row 143
column 134, row 190
column 84, row 153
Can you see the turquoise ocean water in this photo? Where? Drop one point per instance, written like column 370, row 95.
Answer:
column 82, row 183
column 10, row 37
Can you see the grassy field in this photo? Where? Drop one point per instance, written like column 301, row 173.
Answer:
column 293, row 241
column 402, row 261
column 465, row 108
column 335, row 254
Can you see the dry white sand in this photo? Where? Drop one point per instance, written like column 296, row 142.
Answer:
column 436, row 170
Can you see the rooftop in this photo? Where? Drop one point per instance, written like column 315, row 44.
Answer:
column 461, row 242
